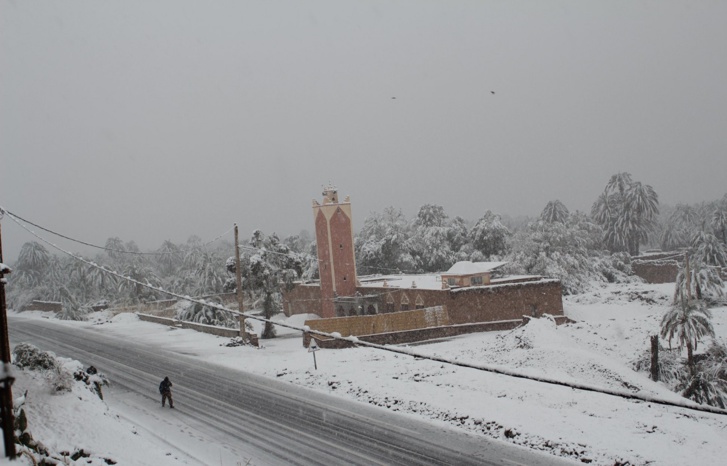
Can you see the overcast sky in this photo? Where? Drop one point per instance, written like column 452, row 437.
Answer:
column 154, row 120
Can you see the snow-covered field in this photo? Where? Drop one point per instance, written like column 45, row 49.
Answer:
column 613, row 325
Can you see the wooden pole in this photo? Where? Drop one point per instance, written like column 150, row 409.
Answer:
column 6, row 393
column 655, row 358
column 238, row 276
column 688, row 277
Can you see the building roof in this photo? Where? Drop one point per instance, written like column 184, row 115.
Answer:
column 470, row 268
column 425, row 282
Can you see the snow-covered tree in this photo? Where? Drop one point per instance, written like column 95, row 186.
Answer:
column 688, row 321
column 719, row 219
column 554, row 211
column 133, row 291
column 489, row 237
column 458, row 235
column 429, row 244
column 381, row 245
column 708, row 249
column 568, row 251
column 169, row 259
column 626, row 211
column 268, row 268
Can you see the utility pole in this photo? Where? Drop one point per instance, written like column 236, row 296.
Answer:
column 6, row 395
column 238, row 276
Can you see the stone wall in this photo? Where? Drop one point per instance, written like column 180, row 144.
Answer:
column 382, row 323
column 211, row 329
column 503, row 301
column 45, row 306
column 303, row 299
column 506, row 302
column 158, row 320
column 432, row 333
column 658, row 271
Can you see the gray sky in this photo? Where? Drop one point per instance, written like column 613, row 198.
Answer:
column 157, row 120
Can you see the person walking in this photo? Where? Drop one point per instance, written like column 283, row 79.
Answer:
column 165, row 388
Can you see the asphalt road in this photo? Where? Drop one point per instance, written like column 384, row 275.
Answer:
column 281, row 423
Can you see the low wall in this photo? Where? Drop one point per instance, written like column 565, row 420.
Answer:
column 52, row 306
column 659, row 271
column 145, row 308
column 433, row 333
column 212, row 329
column 159, row 320
column 382, row 323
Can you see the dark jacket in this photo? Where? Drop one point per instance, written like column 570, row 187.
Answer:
column 165, row 386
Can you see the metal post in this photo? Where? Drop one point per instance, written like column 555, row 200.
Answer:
column 238, row 275
column 6, row 394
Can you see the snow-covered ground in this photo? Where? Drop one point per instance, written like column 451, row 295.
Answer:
column 613, row 325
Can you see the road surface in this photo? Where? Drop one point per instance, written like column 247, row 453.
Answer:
column 265, row 420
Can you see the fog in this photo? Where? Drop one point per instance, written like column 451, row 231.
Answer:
column 159, row 120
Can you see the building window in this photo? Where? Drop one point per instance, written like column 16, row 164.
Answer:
column 389, row 303
column 419, row 303
column 476, row 280
column 451, row 281
column 404, row 303
column 371, row 310
column 340, row 312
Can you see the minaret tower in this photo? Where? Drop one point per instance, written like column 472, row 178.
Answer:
column 334, row 238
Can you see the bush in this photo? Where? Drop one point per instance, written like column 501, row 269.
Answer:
column 30, row 357
column 671, row 368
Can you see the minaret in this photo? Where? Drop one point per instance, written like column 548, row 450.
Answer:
column 334, row 238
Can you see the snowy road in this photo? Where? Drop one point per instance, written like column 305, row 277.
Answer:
column 260, row 420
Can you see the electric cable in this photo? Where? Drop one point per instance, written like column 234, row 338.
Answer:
column 121, row 251
column 687, row 404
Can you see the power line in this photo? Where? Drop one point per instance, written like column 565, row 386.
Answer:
column 121, row 251
column 688, row 404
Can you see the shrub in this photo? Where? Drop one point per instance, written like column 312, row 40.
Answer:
column 29, row 356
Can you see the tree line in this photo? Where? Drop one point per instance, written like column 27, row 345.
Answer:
column 576, row 247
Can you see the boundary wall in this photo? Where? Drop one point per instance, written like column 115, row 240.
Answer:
column 203, row 328
column 424, row 334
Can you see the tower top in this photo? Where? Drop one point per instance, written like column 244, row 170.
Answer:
column 330, row 194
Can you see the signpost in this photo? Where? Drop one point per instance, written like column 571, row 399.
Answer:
column 312, row 348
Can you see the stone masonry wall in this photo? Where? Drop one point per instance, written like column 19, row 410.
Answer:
column 432, row 333
column 382, row 323
column 656, row 271
column 303, row 299
column 44, row 306
column 505, row 302
column 464, row 305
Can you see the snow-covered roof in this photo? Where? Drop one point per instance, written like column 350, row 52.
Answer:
column 469, row 267
column 426, row 282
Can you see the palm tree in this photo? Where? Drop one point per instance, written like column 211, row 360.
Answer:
column 689, row 322
column 170, row 258
column 698, row 281
column 555, row 211
column 709, row 250
column 626, row 210
column 719, row 219
column 33, row 257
